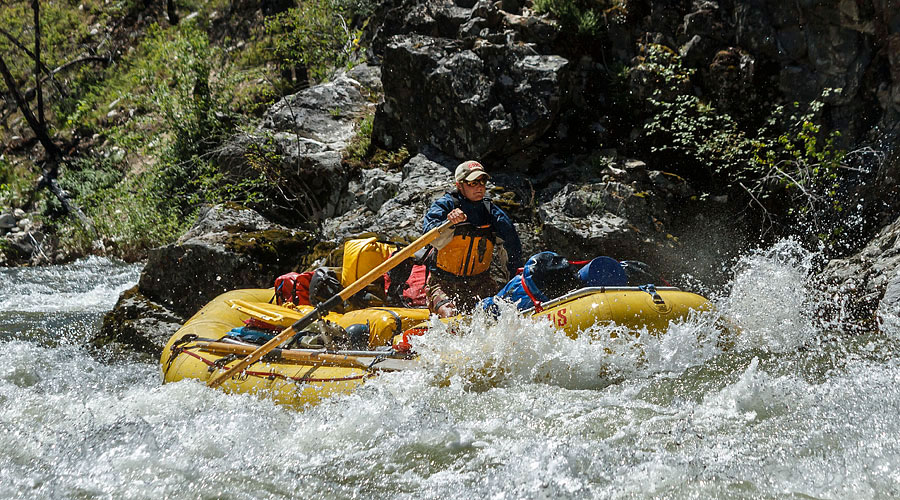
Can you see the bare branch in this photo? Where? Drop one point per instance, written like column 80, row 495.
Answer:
column 80, row 60
column 15, row 41
column 36, row 7
column 40, row 131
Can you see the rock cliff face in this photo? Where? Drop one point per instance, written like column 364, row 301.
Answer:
column 469, row 99
column 494, row 82
column 868, row 280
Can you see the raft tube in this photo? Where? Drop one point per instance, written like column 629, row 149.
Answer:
column 299, row 377
column 293, row 377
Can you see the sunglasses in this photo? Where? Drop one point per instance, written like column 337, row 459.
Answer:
column 476, row 182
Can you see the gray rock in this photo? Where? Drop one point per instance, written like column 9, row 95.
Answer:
column 862, row 279
column 311, row 176
column 315, row 179
column 368, row 77
column 7, row 221
column 791, row 42
column 582, row 222
column 400, row 216
column 467, row 101
column 325, row 113
column 137, row 323
column 227, row 248
column 889, row 308
column 215, row 223
column 377, row 187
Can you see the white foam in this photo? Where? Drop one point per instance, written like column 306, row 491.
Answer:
column 88, row 285
column 770, row 300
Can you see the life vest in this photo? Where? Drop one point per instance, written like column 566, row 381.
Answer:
column 469, row 252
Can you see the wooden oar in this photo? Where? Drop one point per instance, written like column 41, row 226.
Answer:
column 322, row 309
column 369, row 362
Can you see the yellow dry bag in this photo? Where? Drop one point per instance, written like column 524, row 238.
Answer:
column 361, row 256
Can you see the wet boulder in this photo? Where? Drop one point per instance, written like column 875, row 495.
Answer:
column 227, row 248
column 137, row 323
column 861, row 280
column 889, row 308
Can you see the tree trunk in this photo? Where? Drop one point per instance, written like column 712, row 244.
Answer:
column 171, row 13
column 40, row 131
column 36, row 6
column 52, row 154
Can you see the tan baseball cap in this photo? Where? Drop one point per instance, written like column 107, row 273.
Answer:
column 469, row 171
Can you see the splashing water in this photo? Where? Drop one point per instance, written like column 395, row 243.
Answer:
column 503, row 409
column 770, row 301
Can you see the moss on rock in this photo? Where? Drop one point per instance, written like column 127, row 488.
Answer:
column 272, row 245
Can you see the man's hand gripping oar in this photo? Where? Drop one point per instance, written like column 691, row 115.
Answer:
column 322, row 309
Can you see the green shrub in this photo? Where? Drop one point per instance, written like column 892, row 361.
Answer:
column 131, row 219
column 357, row 152
column 789, row 168
column 584, row 17
column 797, row 163
column 316, row 35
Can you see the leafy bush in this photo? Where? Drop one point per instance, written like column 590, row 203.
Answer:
column 796, row 161
column 316, row 35
column 584, row 17
column 131, row 217
column 177, row 89
column 788, row 168
column 64, row 27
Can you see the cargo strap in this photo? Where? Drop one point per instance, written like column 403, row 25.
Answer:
column 651, row 289
column 538, row 307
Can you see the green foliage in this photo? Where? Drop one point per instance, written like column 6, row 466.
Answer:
column 15, row 181
column 64, row 27
column 131, row 217
column 316, row 35
column 85, row 176
column 357, row 151
column 164, row 104
column 790, row 166
column 681, row 130
column 126, row 211
column 584, row 17
column 796, row 160
column 360, row 153
column 389, row 160
column 178, row 90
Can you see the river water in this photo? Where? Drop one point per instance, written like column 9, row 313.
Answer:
column 788, row 408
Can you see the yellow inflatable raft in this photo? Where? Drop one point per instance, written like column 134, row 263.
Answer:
column 297, row 377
